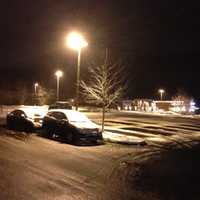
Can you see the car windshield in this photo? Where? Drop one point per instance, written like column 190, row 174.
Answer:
column 77, row 117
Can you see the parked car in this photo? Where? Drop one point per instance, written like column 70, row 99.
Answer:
column 61, row 105
column 72, row 126
column 25, row 118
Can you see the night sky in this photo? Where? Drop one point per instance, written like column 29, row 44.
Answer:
column 157, row 41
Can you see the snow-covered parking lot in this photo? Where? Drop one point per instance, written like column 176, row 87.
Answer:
column 48, row 169
column 136, row 127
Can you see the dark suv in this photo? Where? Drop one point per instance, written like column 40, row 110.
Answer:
column 61, row 105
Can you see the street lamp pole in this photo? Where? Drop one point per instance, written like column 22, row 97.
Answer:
column 58, row 81
column 161, row 95
column 35, row 93
column 35, row 88
column 58, row 75
column 77, row 42
column 78, row 78
column 161, row 91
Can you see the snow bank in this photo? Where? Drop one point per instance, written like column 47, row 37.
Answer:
column 122, row 138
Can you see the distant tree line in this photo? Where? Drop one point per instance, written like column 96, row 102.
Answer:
column 22, row 95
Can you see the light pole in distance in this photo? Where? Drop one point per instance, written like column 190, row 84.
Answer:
column 58, row 74
column 161, row 91
column 35, row 87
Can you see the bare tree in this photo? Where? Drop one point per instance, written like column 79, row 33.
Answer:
column 44, row 96
column 105, row 86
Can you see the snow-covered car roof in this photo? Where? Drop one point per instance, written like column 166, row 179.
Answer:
column 33, row 111
column 76, row 118
column 72, row 115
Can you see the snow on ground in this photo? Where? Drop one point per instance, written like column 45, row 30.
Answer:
column 151, row 128
column 37, row 168
column 47, row 169
column 164, row 113
column 122, row 138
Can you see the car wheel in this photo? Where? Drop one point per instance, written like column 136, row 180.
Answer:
column 10, row 125
column 76, row 139
column 49, row 132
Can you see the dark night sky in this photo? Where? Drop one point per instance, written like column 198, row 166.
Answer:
column 158, row 41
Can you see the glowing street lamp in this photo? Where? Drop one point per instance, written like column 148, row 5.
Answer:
column 35, row 87
column 76, row 41
column 58, row 74
column 161, row 91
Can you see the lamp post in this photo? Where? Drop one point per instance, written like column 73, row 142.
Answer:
column 77, row 42
column 35, row 87
column 58, row 74
column 161, row 91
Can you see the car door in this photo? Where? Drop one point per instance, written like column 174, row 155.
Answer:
column 61, row 122
column 49, row 120
column 64, row 129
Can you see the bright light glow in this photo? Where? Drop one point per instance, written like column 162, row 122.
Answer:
column 192, row 109
column 183, row 109
column 192, row 103
column 59, row 73
column 118, row 108
column 76, row 41
column 192, row 106
column 36, row 84
column 161, row 91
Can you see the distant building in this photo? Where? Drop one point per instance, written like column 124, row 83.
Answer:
column 125, row 105
column 176, row 106
column 149, row 105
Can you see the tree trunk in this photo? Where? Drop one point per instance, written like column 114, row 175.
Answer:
column 103, row 118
